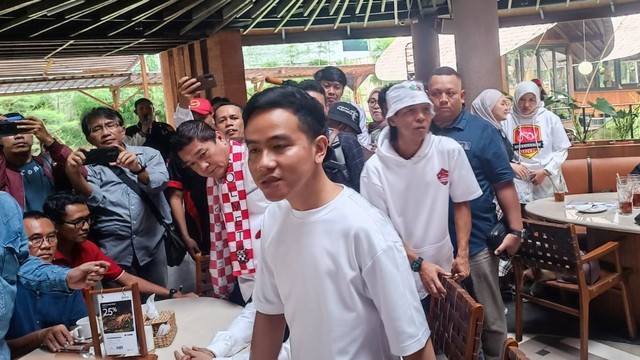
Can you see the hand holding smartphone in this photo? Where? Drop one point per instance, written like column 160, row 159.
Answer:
column 103, row 156
column 9, row 127
column 207, row 81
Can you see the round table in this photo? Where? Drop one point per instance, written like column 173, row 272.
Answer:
column 198, row 319
column 601, row 227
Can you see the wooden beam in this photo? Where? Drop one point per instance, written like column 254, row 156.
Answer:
column 308, row 6
column 13, row 5
column 283, row 7
column 130, row 6
column 143, row 72
column 366, row 14
column 233, row 9
column 228, row 17
column 130, row 97
column 260, row 17
column 259, row 7
column 333, row 6
column 359, row 5
column 100, row 101
column 182, row 7
column 47, row 67
column 32, row 13
column 143, row 16
column 115, row 95
column 92, row 6
column 124, row 47
column 58, row 49
column 315, row 13
column 293, row 9
column 61, row 78
column 341, row 13
column 219, row 4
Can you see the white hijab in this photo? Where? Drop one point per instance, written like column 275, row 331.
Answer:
column 523, row 88
column 483, row 106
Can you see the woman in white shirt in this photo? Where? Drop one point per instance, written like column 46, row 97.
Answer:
column 539, row 141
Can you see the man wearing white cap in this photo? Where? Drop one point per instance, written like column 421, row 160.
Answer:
column 411, row 178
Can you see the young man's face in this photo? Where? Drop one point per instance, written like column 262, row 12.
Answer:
column 207, row 158
column 105, row 132
column 447, row 96
column 281, row 156
column 333, row 90
column 412, row 122
column 76, row 225
column 144, row 110
column 229, row 122
column 42, row 238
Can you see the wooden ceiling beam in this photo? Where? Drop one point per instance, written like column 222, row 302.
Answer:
column 13, row 5
column 90, row 7
column 124, row 47
column 341, row 14
column 231, row 12
column 286, row 18
column 130, row 5
column 260, row 16
column 219, row 4
column 32, row 13
column 315, row 13
column 143, row 16
column 181, row 8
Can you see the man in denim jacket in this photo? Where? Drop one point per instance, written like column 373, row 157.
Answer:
column 17, row 265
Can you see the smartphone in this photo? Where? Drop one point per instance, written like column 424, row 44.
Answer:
column 9, row 127
column 207, row 81
column 13, row 116
column 103, row 156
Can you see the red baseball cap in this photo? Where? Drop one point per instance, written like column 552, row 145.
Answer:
column 201, row 106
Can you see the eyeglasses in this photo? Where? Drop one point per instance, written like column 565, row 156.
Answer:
column 107, row 126
column 372, row 102
column 79, row 223
column 37, row 241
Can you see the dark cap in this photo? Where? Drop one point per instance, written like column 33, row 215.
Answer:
column 347, row 114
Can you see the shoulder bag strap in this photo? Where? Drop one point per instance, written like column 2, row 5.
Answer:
column 141, row 193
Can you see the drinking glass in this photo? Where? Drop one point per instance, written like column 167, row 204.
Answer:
column 625, row 194
column 635, row 183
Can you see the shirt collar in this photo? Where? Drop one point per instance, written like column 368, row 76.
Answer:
column 459, row 123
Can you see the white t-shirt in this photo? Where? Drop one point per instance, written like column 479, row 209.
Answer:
column 181, row 115
column 415, row 193
column 340, row 275
column 540, row 143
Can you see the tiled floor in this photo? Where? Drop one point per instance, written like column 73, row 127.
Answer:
column 558, row 348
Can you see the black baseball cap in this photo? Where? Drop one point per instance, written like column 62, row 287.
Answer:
column 345, row 113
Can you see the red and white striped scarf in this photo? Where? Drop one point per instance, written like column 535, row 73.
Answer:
column 231, row 243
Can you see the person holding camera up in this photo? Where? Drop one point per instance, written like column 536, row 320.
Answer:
column 27, row 178
column 148, row 132
column 125, row 228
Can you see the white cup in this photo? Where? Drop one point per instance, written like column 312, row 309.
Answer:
column 83, row 331
column 148, row 335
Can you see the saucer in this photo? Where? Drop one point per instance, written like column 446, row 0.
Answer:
column 591, row 209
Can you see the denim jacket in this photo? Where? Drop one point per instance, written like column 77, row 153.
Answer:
column 17, row 265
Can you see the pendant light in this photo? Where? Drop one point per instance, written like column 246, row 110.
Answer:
column 585, row 67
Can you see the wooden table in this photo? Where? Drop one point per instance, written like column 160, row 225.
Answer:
column 197, row 318
column 601, row 227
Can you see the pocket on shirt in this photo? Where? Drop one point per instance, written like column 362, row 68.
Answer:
column 9, row 263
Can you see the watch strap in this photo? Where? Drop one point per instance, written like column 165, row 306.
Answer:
column 142, row 169
column 416, row 264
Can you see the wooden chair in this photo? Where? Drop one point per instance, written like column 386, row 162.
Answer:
column 203, row 278
column 555, row 247
column 510, row 351
column 456, row 322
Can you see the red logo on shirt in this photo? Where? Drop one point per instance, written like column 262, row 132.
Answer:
column 443, row 176
column 527, row 140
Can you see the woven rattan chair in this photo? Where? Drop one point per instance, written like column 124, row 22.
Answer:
column 555, row 247
column 510, row 351
column 456, row 322
column 203, row 278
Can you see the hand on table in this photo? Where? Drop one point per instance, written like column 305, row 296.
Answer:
column 56, row 337
column 194, row 352
column 187, row 295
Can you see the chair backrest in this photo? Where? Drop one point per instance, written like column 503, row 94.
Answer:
column 203, row 278
column 550, row 246
column 510, row 351
column 456, row 322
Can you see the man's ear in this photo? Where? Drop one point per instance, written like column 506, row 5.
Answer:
column 392, row 120
column 463, row 94
column 320, row 144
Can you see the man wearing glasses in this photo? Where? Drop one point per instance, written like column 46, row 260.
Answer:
column 71, row 216
column 124, row 228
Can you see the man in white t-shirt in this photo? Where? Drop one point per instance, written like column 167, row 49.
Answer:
column 331, row 263
column 210, row 155
column 410, row 158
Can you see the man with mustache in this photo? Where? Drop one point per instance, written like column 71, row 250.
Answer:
column 30, row 179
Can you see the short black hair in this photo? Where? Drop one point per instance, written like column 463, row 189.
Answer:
column 99, row 112
column 140, row 101
column 219, row 100
column 190, row 131
column 55, row 205
column 34, row 214
column 225, row 104
column 307, row 109
column 312, row 85
column 445, row 71
column 331, row 73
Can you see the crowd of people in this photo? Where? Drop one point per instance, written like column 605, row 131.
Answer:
column 329, row 230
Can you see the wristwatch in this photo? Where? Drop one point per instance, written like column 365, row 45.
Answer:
column 142, row 169
column 171, row 293
column 519, row 233
column 416, row 264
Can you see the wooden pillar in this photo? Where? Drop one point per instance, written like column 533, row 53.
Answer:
column 426, row 47
column 145, row 78
column 219, row 54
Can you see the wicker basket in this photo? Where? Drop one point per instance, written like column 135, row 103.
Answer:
column 166, row 317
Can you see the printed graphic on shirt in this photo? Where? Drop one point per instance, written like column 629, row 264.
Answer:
column 527, row 140
column 443, row 176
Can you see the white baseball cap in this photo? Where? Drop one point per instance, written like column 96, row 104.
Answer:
column 405, row 94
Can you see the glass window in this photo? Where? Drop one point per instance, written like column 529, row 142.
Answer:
column 529, row 64
column 607, row 75
column 513, row 69
column 629, row 72
column 560, row 76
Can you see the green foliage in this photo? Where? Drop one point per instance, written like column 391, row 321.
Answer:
column 624, row 121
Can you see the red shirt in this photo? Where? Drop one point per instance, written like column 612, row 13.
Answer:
column 85, row 252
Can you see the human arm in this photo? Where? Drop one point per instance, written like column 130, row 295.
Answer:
column 507, row 197
column 521, row 171
column 73, row 168
column 560, row 144
column 177, row 210
column 238, row 334
column 268, row 332
column 147, row 287
column 55, row 338
column 462, row 219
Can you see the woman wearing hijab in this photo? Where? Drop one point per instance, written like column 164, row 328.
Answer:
column 539, row 141
column 379, row 122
